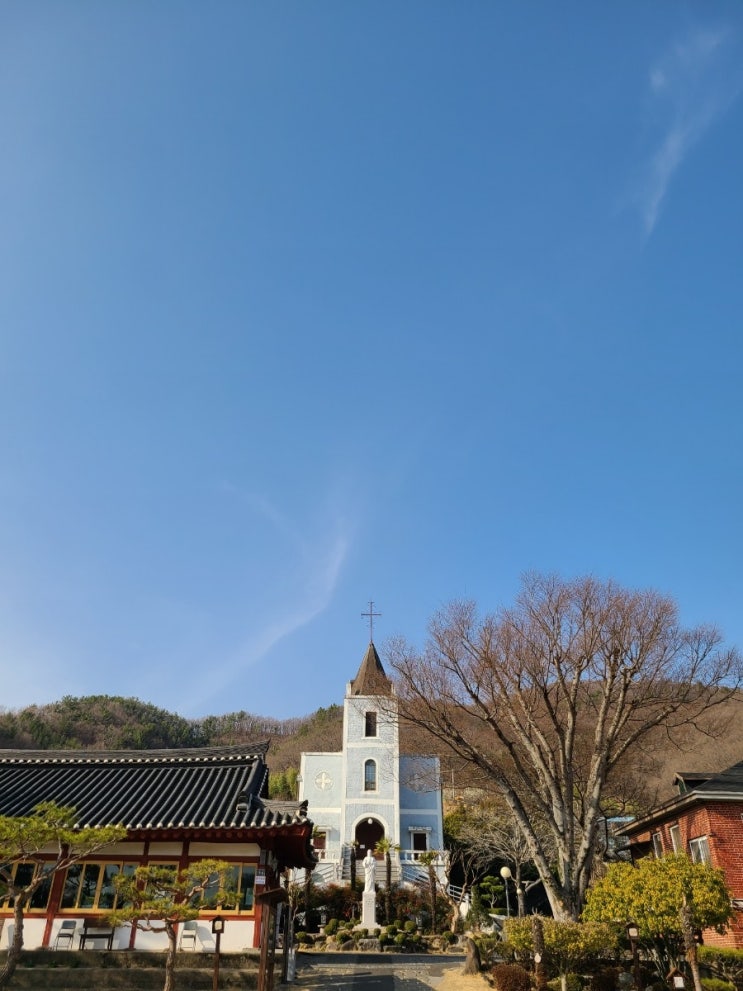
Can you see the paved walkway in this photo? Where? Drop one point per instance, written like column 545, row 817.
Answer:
column 372, row 971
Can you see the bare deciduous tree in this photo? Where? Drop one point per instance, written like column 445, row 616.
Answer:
column 491, row 833
column 549, row 698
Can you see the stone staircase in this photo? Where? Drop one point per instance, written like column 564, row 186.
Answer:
column 380, row 870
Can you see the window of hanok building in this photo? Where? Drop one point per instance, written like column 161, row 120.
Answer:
column 699, row 850
column 21, row 875
column 91, row 885
column 239, row 882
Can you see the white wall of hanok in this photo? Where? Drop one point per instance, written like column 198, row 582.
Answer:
column 238, row 933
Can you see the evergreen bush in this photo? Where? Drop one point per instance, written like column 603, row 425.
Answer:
column 573, row 982
column 606, row 979
column 723, row 962
column 716, row 984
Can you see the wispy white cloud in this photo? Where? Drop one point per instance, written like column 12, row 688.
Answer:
column 691, row 86
column 304, row 589
column 321, row 582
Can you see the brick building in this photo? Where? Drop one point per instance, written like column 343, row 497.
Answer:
column 704, row 821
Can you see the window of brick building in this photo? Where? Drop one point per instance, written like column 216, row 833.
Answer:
column 675, row 833
column 699, row 850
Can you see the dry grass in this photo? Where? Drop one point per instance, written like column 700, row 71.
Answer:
column 454, row 979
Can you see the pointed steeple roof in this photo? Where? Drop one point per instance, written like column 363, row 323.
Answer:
column 371, row 678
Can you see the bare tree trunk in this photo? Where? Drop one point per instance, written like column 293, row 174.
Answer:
column 690, row 945
column 472, row 962
column 537, row 933
column 170, row 958
column 16, row 947
column 388, row 888
column 352, row 865
column 519, row 892
column 307, row 898
column 432, row 895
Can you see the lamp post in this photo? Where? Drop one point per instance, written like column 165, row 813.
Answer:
column 633, row 933
column 217, row 929
column 505, row 873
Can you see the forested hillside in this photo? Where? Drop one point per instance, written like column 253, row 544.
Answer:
column 104, row 722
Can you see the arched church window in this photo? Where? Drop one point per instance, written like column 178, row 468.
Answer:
column 370, row 725
column 370, row 775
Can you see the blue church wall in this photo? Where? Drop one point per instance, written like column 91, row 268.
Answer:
column 406, row 797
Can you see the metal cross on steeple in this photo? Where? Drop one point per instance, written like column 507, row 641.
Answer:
column 371, row 614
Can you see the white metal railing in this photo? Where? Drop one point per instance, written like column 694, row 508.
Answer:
column 335, row 853
column 406, row 856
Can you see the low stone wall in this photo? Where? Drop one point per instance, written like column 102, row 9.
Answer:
column 89, row 970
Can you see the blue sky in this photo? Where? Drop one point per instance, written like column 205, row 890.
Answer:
column 307, row 304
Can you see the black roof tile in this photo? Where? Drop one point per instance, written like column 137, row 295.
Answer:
column 158, row 789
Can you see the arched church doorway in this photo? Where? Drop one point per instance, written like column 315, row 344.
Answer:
column 368, row 833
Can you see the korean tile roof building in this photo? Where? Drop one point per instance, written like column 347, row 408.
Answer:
column 177, row 806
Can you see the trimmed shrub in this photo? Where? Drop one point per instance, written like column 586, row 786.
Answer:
column 716, row 984
column 723, row 962
column 606, row 979
column 331, row 928
column 574, row 982
column 490, row 947
column 510, row 977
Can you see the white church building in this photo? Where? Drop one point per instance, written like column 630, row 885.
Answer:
column 369, row 790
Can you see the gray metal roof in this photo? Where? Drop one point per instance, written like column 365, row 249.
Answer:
column 211, row 788
column 731, row 779
column 695, row 787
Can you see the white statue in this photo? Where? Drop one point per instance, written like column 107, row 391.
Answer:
column 369, row 869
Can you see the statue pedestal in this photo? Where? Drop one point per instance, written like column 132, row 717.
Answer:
column 369, row 910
